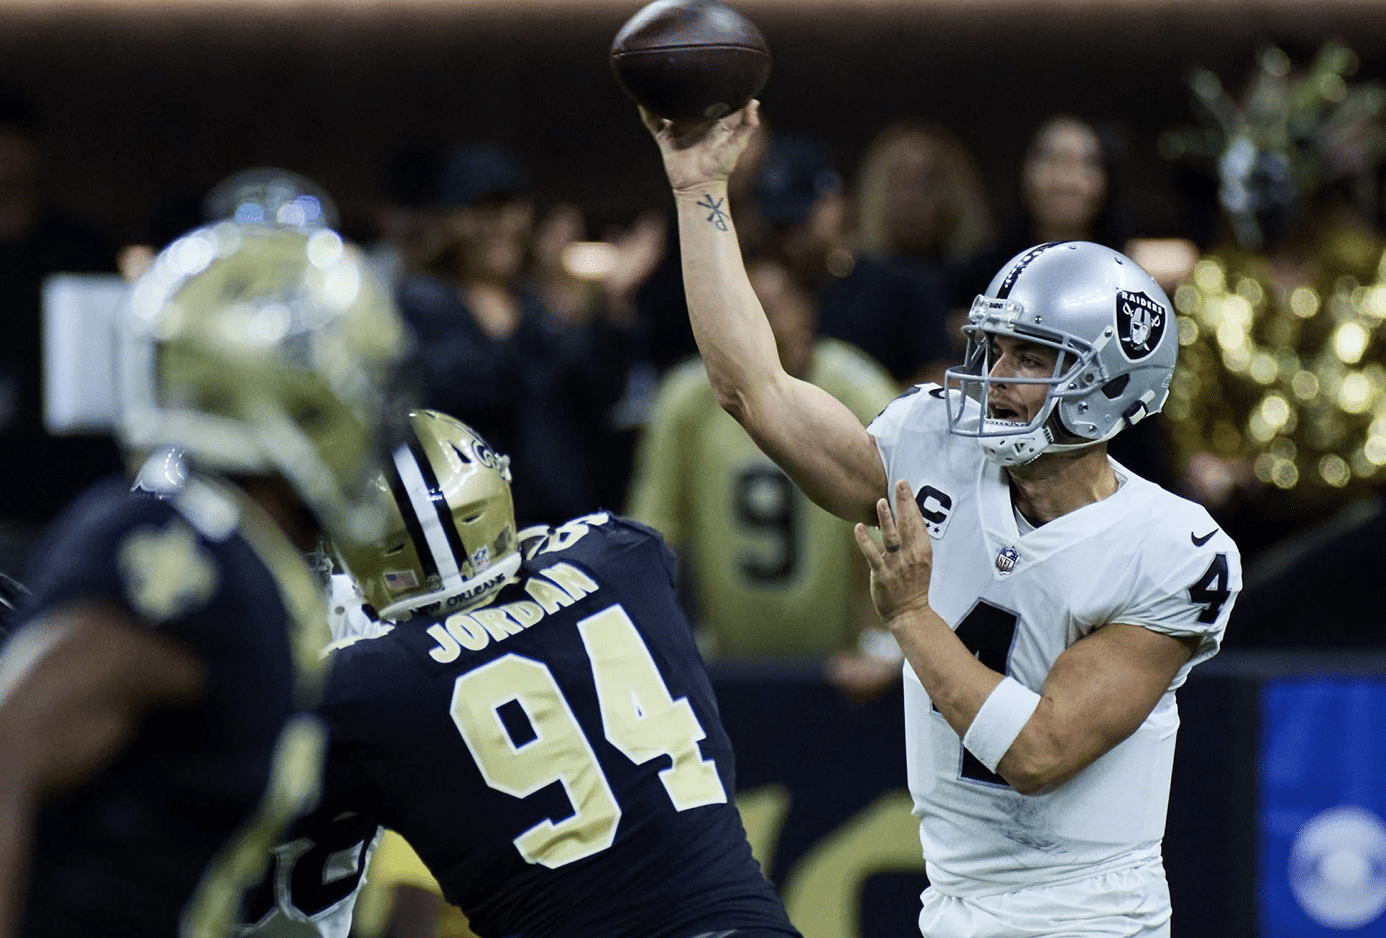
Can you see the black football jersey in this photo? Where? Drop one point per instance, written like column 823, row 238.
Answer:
column 161, row 841
column 555, row 758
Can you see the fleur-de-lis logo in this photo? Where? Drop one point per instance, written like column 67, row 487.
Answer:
column 167, row 572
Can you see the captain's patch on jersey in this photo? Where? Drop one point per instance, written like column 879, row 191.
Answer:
column 937, row 509
column 167, row 571
column 1140, row 323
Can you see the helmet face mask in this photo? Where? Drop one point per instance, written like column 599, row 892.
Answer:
column 987, row 319
column 260, row 349
column 450, row 543
column 1108, row 323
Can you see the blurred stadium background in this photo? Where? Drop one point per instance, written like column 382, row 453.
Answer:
column 143, row 95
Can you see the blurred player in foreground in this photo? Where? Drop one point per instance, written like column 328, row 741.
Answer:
column 153, row 730
column 537, row 724
column 1052, row 602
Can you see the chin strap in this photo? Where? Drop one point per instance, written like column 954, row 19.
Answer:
column 474, row 592
column 1017, row 449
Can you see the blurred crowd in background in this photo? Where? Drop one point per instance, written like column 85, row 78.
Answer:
column 570, row 348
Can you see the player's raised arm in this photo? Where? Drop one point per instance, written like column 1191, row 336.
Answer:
column 814, row 437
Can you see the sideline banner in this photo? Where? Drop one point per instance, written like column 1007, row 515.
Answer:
column 822, row 790
column 1322, row 853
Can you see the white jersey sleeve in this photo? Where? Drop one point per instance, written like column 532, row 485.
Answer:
column 1191, row 573
column 909, row 424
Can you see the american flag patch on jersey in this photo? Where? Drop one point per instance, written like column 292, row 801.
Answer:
column 401, row 579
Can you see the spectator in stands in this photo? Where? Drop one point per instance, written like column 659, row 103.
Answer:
column 920, row 197
column 1065, row 191
column 408, row 184
column 579, row 280
column 536, row 383
column 894, row 312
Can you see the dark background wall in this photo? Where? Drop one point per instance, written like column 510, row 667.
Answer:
column 145, row 101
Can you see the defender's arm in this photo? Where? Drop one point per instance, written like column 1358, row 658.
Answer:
column 72, row 687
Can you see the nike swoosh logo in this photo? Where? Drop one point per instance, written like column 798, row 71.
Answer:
column 1200, row 541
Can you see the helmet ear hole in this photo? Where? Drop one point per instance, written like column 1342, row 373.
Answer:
column 1116, row 387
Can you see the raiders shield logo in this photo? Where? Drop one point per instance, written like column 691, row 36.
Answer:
column 1140, row 324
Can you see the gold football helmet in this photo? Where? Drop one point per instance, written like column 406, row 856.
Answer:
column 450, row 543
column 260, row 349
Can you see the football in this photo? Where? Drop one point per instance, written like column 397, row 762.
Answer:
column 690, row 60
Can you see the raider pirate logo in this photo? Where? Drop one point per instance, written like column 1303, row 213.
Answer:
column 1140, row 324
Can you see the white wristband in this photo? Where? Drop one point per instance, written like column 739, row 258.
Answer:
column 1000, row 721
column 878, row 643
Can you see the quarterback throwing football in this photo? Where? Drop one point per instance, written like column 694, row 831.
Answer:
column 1049, row 601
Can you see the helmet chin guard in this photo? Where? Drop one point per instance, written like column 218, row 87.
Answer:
column 1109, row 324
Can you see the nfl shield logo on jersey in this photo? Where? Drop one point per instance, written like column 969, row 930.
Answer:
column 1006, row 559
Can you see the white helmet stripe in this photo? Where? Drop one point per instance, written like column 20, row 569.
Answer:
column 421, row 501
column 1020, row 263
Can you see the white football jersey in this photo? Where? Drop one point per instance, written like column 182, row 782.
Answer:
column 346, row 616
column 1141, row 557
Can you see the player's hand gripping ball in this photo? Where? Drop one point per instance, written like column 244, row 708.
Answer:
column 690, row 60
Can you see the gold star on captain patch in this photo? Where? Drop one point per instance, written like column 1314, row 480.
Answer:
column 166, row 571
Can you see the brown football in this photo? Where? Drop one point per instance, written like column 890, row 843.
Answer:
column 690, row 60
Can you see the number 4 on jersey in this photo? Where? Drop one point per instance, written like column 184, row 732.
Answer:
column 1211, row 590
column 989, row 633
column 640, row 717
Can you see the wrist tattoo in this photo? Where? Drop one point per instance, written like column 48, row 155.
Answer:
column 716, row 215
